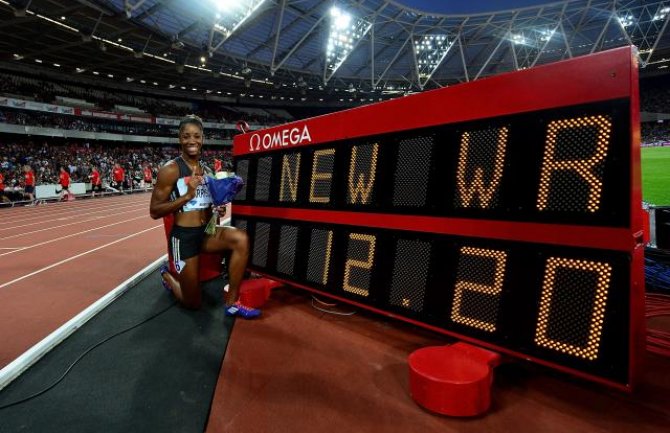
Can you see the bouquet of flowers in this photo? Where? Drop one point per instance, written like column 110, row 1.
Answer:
column 222, row 191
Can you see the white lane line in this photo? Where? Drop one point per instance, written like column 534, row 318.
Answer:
column 15, row 368
column 97, row 218
column 34, row 213
column 86, row 212
column 69, row 259
column 9, row 248
column 19, row 249
column 63, row 213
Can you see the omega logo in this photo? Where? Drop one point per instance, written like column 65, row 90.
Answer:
column 281, row 138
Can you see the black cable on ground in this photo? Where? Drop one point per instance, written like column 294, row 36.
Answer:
column 657, row 270
column 86, row 352
column 328, row 310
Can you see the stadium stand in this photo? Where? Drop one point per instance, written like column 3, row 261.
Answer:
column 99, row 83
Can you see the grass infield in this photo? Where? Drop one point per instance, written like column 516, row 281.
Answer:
column 656, row 175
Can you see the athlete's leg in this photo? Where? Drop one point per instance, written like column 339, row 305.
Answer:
column 184, row 246
column 186, row 288
column 228, row 238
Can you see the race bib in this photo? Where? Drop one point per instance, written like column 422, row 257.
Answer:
column 202, row 199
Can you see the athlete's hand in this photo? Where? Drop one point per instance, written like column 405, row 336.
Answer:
column 221, row 210
column 193, row 183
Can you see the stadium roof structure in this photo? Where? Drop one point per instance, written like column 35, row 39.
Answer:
column 317, row 48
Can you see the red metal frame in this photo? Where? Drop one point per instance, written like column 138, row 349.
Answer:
column 638, row 332
column 560, row 234
column 600, row 77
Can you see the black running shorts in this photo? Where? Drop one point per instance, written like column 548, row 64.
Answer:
column 184, row 243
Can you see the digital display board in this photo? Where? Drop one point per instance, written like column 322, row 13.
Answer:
column 504, row 212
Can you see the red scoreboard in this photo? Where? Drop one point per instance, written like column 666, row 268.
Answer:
column 505, row 212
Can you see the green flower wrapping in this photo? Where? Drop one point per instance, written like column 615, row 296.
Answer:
column 211, row 225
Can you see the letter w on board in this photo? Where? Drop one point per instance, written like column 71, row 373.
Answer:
column 363, row 160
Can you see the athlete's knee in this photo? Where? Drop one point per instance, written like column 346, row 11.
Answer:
column 238, row 240
column 242, row 243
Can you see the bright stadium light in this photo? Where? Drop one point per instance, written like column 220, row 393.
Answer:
column 626, row 20
column 341, row 19
column 227, row 5
column 519, row 39
column 232, row 14
column 345, row 33
column 429, row 52
column 546, row 35
column 662, row 14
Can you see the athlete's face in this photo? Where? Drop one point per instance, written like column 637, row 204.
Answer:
column 190, row 139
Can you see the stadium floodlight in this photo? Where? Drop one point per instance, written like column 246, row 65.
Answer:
column 226, row 5
column 626, row 20
column 661, row 14
column 546, row 35
column 345, row 32
column 232, row 14
column 519, row 39
column 429, row 52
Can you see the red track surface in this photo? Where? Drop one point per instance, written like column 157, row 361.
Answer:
column 58, row 259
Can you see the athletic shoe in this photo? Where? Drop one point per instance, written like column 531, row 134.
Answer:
column 243, row 311
column 165, row 269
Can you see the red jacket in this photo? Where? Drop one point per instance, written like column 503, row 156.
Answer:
column 118, row 174
column 64, row 179
column 95, row 178
column 30, row 178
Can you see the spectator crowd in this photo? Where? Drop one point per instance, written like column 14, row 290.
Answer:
column 45, row 159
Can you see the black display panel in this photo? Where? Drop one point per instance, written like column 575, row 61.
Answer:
column 565, row 165
column 564, row 305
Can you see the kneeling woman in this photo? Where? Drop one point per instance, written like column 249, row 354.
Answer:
column 180, row 190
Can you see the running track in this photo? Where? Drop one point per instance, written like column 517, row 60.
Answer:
column 58, row 259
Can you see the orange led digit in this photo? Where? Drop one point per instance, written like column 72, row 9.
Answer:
column 318, row 247
column 352, row 264
column 489, row 307
column 594, row 322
